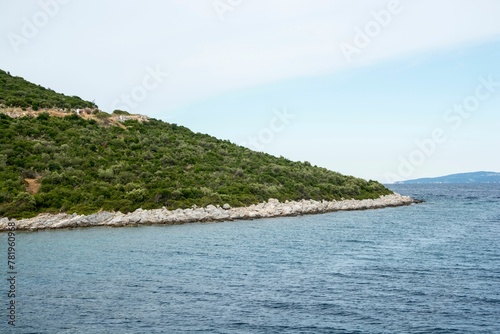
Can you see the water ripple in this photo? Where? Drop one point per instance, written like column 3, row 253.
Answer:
column 429, row 268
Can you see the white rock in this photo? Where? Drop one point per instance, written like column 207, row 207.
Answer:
column 271, row 208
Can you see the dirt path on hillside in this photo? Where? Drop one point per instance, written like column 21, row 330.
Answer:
column 33, row 185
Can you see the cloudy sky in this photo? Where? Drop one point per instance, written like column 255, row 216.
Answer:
column 386, row 90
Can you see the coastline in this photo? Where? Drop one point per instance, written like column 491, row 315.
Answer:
column 271, row 208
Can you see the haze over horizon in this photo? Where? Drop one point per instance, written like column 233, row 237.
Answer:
column 385, row 90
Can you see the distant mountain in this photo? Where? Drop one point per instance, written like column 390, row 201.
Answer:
column 474, row 177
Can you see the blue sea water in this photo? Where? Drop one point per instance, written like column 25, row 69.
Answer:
column 427, row 268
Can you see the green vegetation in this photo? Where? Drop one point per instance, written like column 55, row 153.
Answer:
column 120, row 112
column 83, row 166
column 17, row 92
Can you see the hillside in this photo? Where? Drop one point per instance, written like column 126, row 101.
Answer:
column 17, row 92
column 474, row 177
column 72, row 164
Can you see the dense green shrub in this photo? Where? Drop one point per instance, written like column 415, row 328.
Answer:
column 120, row 112
column 17, row 92
column 85, row 167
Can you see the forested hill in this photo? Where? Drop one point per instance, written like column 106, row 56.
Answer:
column 71, row 164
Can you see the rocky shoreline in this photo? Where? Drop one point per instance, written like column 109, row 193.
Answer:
column 271, row 208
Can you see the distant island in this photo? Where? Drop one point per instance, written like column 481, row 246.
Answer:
column 62, row 155
column 474, row 177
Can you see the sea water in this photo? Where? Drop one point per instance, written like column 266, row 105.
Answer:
column 427, row 268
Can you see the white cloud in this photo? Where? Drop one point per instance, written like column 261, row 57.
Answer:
column 263, row 42
column 258, row 43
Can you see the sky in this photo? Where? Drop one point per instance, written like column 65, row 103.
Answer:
column 384, row 90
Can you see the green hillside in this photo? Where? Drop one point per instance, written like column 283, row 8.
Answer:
column 69, row 164
column 17, row 92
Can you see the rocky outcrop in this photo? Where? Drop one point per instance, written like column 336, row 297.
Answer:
column 271, row 208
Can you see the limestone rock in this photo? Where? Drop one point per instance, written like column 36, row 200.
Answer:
column 271, row 208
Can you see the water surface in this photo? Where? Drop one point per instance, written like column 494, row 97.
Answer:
column 427, row 268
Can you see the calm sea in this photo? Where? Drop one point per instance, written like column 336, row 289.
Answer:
column 427, row 268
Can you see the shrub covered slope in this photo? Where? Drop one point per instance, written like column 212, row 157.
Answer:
column 17, row 92
column 69, row 164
